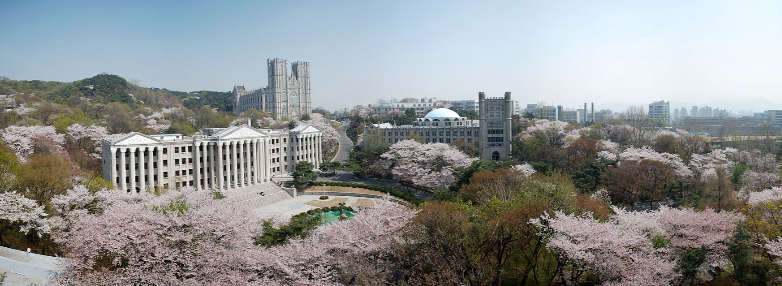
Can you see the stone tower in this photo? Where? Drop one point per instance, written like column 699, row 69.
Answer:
column 495, row 126
column 289, row 95
column 285, row 96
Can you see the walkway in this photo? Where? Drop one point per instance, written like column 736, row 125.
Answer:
column 350, row 178
column 22, row 268
column 345, row 145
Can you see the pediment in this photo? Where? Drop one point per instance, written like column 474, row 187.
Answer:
column 242, row 132
column 309, row 129
column 305, row 129
column 135, row 139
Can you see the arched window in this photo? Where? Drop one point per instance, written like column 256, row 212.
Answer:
column 495, row 156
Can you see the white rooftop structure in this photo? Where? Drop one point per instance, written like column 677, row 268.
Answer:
column 442, row 113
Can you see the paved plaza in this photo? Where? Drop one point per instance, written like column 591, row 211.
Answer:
column 299, row 204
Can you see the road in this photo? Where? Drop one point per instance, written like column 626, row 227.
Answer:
column 343, row 155
column 345, row 145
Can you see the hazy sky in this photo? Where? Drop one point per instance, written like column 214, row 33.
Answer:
column 562, row 52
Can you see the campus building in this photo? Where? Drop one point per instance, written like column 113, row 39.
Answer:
column 215, row 159
column 490, row 135
column 285, row 96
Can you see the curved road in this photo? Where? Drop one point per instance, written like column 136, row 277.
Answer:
column 345, row 145
column 343, row 155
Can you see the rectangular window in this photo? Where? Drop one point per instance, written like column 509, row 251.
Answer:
column 176, row 173
column 189, row 148
column 176, row 161
column 165, row 175
column 190, row 160
column 165, row 150
column 176, row 150
column 165, row 163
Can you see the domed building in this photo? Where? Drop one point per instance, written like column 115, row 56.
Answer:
column 488, row 138
column 442, row 117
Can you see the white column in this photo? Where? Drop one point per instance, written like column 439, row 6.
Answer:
column 241, row 160
column 247, row 168
column 141, row 182
column 210, row 161
column 159, row 166
column 232, row 164
column 251, row 163
column 319, row 146
column 150, row 169
column 220, row 165
column 257, row 160
column 132, row 170
column 196, row 166
column 122, row 185
column 113, row 168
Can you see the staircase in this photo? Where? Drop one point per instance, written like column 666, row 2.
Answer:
column 251, row 195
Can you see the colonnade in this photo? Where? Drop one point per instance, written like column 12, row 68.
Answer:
column 230, row 164
column 150, row 171
column 216, row 165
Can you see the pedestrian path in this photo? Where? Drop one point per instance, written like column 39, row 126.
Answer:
column 260, row 195
column 23, row 268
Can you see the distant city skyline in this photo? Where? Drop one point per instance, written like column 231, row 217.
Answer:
column 564, row 52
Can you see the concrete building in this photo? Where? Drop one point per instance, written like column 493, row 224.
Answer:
column 542, row 111
column 660, row 110
column 421, row 107
column 469, row 105
column 490, row 135
column 286, row 96
column 774, row 117
column 216, row 159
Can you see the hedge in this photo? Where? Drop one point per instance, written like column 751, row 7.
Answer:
column 392, row 191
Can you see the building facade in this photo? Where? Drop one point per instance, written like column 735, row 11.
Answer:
column 660, row 110
column 216, row 159
column 469, row 105
column 421, row 107
column 285, row 96
column 490, row 136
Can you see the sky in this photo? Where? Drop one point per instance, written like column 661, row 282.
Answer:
column 559, row 52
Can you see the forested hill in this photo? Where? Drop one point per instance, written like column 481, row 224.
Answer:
column 106, row 88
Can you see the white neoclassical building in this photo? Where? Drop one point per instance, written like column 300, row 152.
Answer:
column 215, row 159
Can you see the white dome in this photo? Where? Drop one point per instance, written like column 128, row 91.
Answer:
column 442, row 113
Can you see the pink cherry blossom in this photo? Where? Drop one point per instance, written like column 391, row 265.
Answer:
column 769, row 195
column 15, row 207
column 646, row 152
column 430, row 165
column 21, row 138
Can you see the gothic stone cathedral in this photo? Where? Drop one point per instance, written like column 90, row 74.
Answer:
column 286, row 96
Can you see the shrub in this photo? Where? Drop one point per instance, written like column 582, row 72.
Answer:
column 335, row 208
column 324, row 197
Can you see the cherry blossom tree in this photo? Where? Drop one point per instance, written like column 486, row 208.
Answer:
column 775, row 248
column 330, row 134
column 717, row 158
column 755, row 159
column 178, row 238
column 754, row 181
column 525, row 169
column 636, row 248
column 22, row 138
column 769, row 195
column 190, row 238
column 430, row 165
column 17, row 208
column 646, row 153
